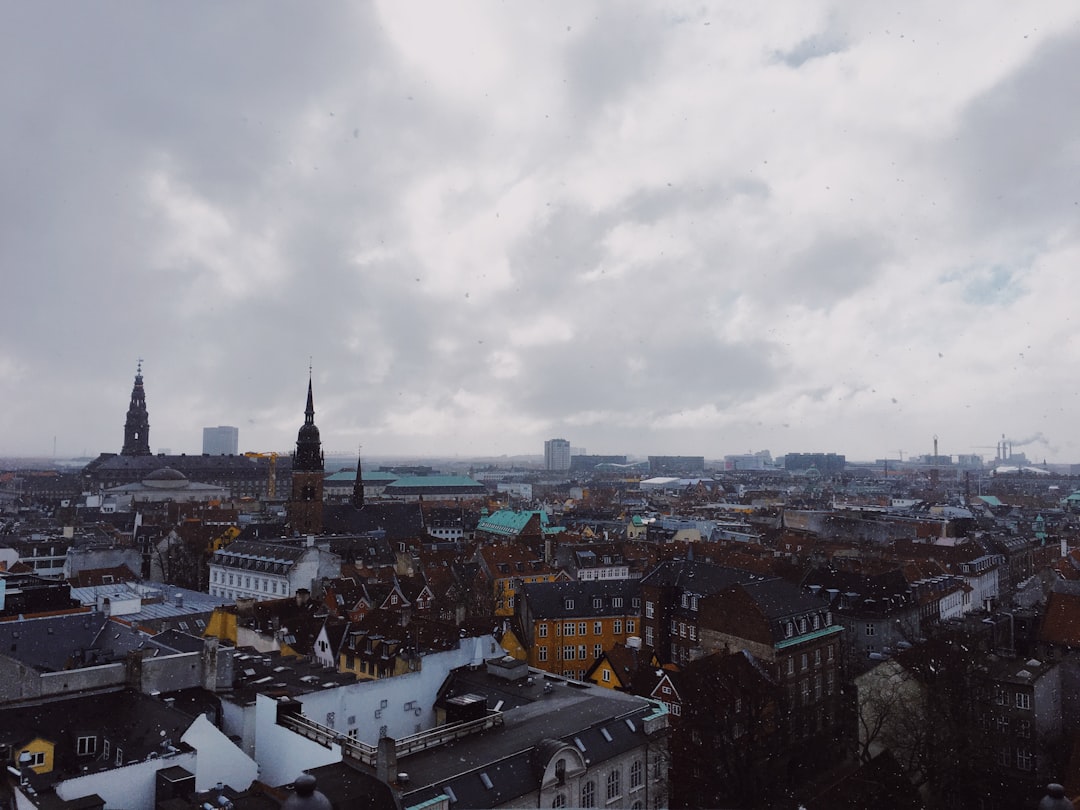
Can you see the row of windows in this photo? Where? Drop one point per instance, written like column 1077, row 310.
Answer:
column 1023, row 758
column 582, row 628
column 1020, row 728
column 804, row 625
column 266, row 584
column 612, row 786
column 1022, row 700
column 804, row 659
column 683, row 630
column 87, row 746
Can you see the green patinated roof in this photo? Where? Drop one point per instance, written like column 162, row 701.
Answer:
column 436, row 482
column 510, row 522
column 349, row 476
column 991, row 500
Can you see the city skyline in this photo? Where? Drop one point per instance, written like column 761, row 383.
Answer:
column 649, row 230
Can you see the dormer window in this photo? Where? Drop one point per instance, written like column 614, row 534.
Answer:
column 86, row 746
column 568, row 604
column 789, row 630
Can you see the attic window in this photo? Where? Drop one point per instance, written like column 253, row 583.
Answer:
column 85, row 746
column 486, row 780
column 568, row 604
column 606, row 734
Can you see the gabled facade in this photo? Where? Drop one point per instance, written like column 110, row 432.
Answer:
column 795, row 639
column 506, row 568
column 566, row 626
column 671, row 594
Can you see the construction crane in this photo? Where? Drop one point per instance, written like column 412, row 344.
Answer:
column 271, row 483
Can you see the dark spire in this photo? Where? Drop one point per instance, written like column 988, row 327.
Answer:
column 358, row 486
column 309, row 455
column 137, row 425
column 309, row 412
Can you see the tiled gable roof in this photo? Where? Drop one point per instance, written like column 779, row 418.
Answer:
column 1061, row 621
column 698, row 577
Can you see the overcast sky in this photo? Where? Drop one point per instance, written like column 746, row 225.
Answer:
column 699, row 228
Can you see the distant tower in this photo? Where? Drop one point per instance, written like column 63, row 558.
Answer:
column 222, row 440
column 557, row 454
column 137, row 426
column 358, row 486
column 305, row 505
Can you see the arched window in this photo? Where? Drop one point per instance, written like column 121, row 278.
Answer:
column 558, row 801
column 636, row 774
column 588, row 794
column 560, row 770
column 614, row 788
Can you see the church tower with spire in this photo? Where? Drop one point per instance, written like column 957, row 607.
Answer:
column 358, row 486
column 308, row 471
column 137, row 425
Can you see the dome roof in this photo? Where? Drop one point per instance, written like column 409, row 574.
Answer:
column 166, row 478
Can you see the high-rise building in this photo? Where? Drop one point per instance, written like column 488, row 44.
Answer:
column 137, row 424
column 220, row 441
column 308, row 470
column 557, row 454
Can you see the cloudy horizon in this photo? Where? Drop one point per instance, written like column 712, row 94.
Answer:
column 647, row 228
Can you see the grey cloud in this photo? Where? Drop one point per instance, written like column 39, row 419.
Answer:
column 1018, row 147
column 834, row 266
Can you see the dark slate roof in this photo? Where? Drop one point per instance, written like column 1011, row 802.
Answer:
column 345, row 786
column 569, row 713
column 698, row 577
column 137, row 724
column 179, row 641
column 240, row 551
column 398, row 521
column 777, row 598
column 549, row 599
column 279, row 676
column 51, row 643
column 141, row 466
column 368, row 552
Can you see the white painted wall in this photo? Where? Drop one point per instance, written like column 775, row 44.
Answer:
column 220, row 760
column 282, row 754
column 129, row 787
column 360, row 706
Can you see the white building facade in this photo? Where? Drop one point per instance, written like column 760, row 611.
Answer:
column 258, row 570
